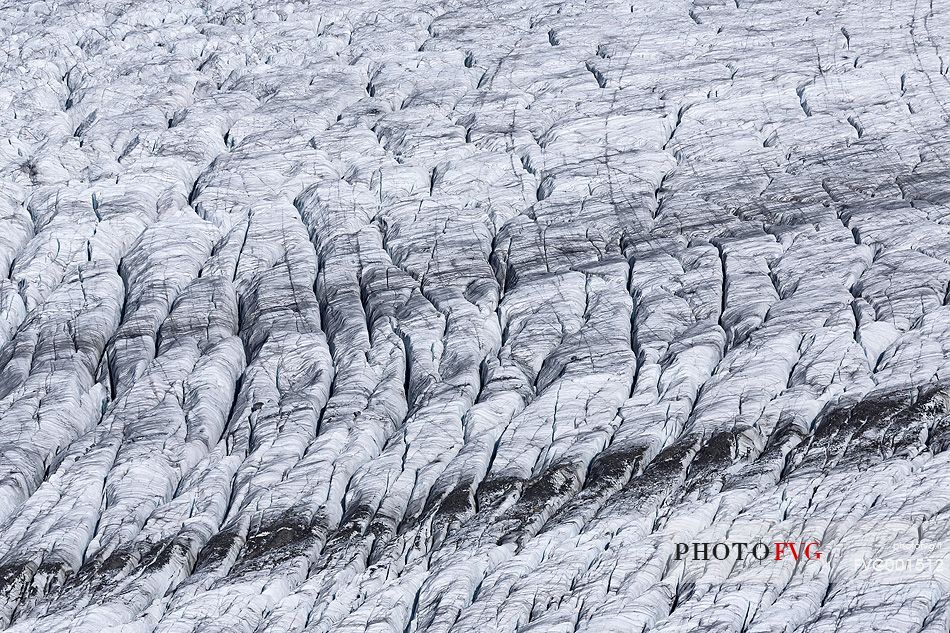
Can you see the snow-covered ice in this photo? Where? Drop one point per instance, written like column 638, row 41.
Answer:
column 423, row 316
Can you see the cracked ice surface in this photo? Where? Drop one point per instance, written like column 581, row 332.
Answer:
column 458, row 316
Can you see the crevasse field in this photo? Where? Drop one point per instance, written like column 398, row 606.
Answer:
column 469, row 315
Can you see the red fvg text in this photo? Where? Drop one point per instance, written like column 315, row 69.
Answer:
column 777, row 550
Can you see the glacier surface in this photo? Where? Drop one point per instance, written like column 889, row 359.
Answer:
column 446, row 315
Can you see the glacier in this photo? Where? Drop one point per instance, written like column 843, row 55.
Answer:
column 457, row 315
